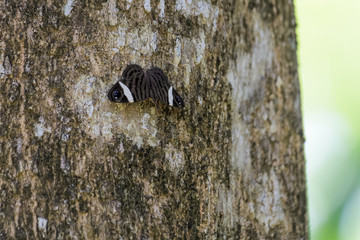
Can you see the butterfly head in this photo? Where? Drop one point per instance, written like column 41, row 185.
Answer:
column 177, row 100
column 116, row 94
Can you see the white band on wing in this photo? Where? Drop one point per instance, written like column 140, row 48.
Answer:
column 127, row 92
column 171, row 97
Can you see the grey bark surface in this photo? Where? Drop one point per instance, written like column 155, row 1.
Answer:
column 73, row 165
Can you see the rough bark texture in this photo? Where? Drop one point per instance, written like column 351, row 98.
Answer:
column 74, row 165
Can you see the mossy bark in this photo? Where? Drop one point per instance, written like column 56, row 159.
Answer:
column 76, row 166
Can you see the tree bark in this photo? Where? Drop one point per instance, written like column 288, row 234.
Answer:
column 74, row 165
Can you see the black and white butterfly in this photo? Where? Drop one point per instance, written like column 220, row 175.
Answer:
column 137, row 85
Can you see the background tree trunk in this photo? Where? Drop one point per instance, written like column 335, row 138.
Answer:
column 74, row 165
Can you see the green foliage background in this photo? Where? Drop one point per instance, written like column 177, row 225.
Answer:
column 329, row 67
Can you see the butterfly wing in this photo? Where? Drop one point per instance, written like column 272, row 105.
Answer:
column 136, row 85
column 161, row 89
column 132, row 86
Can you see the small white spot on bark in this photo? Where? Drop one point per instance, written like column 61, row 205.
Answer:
column 145, row 120
column 175, row 158
column 279, row 82
column 128, row 5
column 64, row 165
column 95, row 129
column 19, row 143
column 27, row 67
column 89, row 108
column 64, row 137
column 147, row 5
column 132, row 38
column 187, row 74
column 121, row 147
column 209, row 13
column 106, row 130
column 5, row 66
column 113, row 12
column 68, row 7
column 115, row 50
column 178, row 48
column 200, row 101
column 177, row 52
column 40, row 128
column 153, row 141
column 142, row 40
column 138, row 141
column 162, row 8
column 200, row 47
column 157, row 213
column 120, row 40
column 42, row 222
column 153, row 42
column 2, row 70
column 215, row 16
column 84, row 90
column 181, row 5
column 203, row 8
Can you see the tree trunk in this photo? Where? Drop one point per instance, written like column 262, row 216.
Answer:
column 74, row 165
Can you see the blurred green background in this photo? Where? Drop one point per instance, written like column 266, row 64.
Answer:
column 329, row 68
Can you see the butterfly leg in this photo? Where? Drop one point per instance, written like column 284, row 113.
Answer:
column 157, row 104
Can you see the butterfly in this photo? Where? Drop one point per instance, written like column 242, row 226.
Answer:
column 137, row 85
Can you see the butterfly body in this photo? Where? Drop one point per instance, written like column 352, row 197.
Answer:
column 137, row 85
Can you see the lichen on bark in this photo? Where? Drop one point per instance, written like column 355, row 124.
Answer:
column 75, row 165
